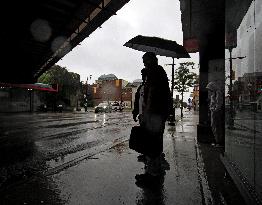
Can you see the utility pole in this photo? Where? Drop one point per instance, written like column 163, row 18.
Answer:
column 231, row 116
column 231, row 108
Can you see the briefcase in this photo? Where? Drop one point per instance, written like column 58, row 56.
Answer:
column 138, row 139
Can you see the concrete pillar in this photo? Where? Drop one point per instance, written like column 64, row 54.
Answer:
column 212, row 52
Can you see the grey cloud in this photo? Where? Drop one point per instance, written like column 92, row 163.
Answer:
column 103, row 51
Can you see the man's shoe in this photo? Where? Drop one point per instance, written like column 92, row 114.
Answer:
column 164, row 164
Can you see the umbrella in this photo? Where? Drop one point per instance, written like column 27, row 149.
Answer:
column 162, row 47
column 159, row 46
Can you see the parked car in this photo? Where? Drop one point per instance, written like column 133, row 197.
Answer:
column 60, row 108
column 116, row 106
column 42, row 108
column 103, row 107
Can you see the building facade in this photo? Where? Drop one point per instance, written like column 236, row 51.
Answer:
column 112, row 89
column 228, row 36
column 109, row 91
column 23, row 97
column 243, row 129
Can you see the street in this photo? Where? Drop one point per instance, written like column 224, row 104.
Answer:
column 83, row 158
column 46, row 142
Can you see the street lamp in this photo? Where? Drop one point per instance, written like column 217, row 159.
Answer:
column 231, row 117
column 172, row 120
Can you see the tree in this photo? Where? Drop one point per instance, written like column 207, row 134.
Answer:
column 184, row 79
column 87, row 97
column 69, row 85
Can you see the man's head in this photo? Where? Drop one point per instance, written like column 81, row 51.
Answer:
column 149, row 59
column 211, row 86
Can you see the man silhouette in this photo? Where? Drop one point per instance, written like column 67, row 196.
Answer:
column 156, row 109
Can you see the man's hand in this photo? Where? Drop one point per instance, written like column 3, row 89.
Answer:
column 134, row 117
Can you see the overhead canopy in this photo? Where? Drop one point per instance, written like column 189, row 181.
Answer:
column 198, row 18
column 36, row 34
column 35, row 86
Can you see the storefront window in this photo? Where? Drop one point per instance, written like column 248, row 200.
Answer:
column 243, row 97
column 257, row 97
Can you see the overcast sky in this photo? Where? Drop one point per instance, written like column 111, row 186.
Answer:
column 103, row 51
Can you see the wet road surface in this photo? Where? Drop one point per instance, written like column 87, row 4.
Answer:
column 33, row 143
column 84, row 159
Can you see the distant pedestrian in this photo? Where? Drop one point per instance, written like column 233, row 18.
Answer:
column 121, row 106
column 155, row 110
column 189, row 104
column 215, row 106
column 194, row 104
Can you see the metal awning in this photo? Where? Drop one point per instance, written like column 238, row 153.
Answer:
column 35, row 86
column 37, row 34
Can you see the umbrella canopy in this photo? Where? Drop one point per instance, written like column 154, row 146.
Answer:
column 159, row 46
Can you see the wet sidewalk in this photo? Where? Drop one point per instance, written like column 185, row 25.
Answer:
column 196, row 176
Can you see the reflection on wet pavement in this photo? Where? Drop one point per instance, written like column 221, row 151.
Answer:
column 153, row 191
column 102, row 176
column 153, row 195
column 119, row 147
column 32, row 143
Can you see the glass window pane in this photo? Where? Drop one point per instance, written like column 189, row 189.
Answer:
column 240, row 64
column 257, row 97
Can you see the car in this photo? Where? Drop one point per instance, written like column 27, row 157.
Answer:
column 42, row 108
column 103, row 107
column 60, row 108
column 116, row 106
